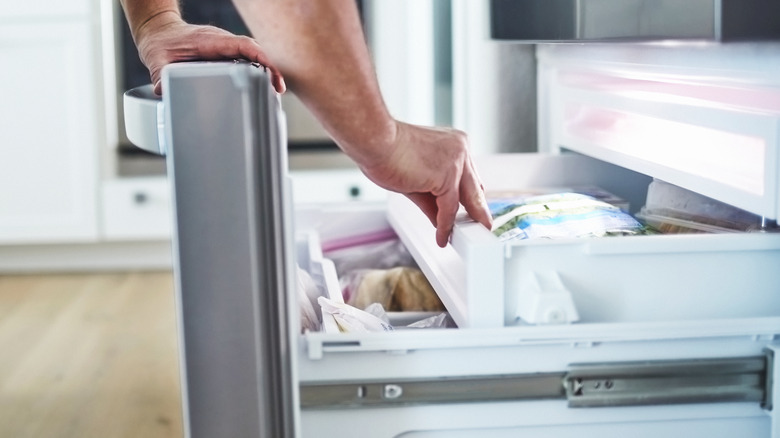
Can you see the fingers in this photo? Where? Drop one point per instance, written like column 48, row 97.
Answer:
column 472, row 196
column 447, row 204
column 249, row 49
column 155, row 74
column 242, row 47
column 195, row 42
column 277, row 80
column 453, row 183
column 258, row 56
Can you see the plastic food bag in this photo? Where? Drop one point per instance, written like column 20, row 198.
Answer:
column 351, row 319
column 308, row 292
column 441, row 320
column 672, row 209
column 397, row 289
column 560, row 215
column 383, row 254
column 378, row 310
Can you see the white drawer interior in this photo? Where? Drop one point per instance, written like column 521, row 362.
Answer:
column 486, row 283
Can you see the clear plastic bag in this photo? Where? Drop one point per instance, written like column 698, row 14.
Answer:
column 398, row 289
column 378, row 275
column 442, row 320
column 308, row 293
column 353, row 320
column 560, row 215
column 383, row 254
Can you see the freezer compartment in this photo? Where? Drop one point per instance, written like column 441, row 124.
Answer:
column 359, row 239
column 696, row 378
column 486, row 283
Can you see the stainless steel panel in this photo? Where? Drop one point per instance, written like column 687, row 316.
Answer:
column 633, row 20
column 540, row 386
column 232, row 249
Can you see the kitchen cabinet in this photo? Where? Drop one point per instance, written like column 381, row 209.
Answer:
column 38, row 10
column 56, row 142
column 69, row 199
column 48, row 130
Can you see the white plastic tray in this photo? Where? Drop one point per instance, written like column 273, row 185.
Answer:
column 486, row 283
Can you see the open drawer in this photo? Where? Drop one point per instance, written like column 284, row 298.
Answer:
column 534, row 380
column 248, row 371
column 486, row 283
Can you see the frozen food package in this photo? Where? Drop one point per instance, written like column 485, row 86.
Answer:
column 497, row 199
column 397, row 289
column 559, row 215
column 673, row 209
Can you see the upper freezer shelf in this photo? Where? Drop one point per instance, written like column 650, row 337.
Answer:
column 703, row 117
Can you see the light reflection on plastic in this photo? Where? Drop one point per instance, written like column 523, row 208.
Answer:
column 681, row 43
column 728, row 158
column 679, row 90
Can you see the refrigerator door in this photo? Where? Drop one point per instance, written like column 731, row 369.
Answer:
column 232, row 245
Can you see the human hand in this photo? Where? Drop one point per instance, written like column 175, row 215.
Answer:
column 166, row 39
column 433, row 168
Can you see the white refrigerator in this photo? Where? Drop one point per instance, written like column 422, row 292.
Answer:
column 647, row 336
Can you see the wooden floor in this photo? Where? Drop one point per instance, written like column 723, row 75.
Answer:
column 89, row 356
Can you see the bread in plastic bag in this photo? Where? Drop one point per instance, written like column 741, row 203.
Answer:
column 397, row 290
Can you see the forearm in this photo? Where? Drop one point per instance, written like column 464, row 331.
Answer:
column 336, row 80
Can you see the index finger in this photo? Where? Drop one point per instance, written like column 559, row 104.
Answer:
column 472, row 196
column 447, row 204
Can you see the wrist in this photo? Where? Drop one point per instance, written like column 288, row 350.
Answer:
column 375, row 143
column 154, row 23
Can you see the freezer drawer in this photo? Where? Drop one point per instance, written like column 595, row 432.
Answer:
column 499, row 377
column 248, row 371
column 486, row 283
column 705, row 377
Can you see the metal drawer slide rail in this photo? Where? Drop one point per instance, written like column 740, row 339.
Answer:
column 583, row 385
column 668, row 382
